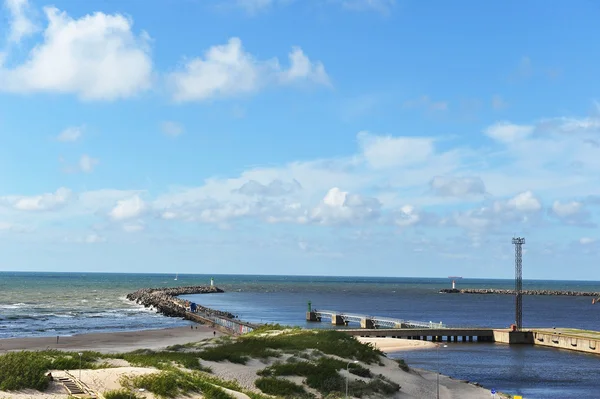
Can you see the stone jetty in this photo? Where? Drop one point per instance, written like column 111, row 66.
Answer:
column 511, row 292
column 167, row 301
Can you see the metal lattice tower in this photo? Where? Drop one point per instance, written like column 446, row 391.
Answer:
column 518, row 243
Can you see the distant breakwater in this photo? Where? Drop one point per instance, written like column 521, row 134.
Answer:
column 512, row 292
column 166, row 301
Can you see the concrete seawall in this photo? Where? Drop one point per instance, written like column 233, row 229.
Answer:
column 512, row 292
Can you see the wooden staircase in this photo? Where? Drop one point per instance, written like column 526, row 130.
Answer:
column 77, row 388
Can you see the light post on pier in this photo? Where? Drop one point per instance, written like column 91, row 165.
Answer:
column 80, row 354
column 438, row 369
column 348, row 374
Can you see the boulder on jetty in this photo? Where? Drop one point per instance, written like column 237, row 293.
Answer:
column 511, row 292
column 166, row 301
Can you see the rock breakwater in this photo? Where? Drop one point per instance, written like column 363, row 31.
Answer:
column 511, row 292
column 166, row 301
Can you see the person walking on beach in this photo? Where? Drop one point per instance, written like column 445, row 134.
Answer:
column 214, row 333
column 57, row 340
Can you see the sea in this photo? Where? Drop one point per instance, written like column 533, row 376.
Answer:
column 51, row 304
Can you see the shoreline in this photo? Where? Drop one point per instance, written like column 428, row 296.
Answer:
column 112, row 342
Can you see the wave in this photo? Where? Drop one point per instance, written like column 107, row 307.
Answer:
column 19, row 305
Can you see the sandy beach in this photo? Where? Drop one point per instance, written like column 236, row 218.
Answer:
column 113, row 342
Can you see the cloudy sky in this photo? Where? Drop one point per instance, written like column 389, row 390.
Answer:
column 324, row 137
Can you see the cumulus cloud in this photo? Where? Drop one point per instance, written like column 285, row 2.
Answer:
column 96, row 57
column 382, row 152
column 70, row 134
column 523, row 208
column 508, row 133
column 37, row 203
column 572, row 213
column 20, row 23
column 87, row 163
column 447, row 186
column 342, row 207
column 128, row 208
column 272, row 189
column 228, row 70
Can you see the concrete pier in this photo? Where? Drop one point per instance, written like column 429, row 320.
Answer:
column 337, row 320
column 367, row 323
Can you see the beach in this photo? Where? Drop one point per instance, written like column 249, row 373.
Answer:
column 114, row 342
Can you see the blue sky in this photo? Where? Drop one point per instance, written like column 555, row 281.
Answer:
column 328, row 137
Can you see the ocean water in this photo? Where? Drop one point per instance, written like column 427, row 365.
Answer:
column 35, row 304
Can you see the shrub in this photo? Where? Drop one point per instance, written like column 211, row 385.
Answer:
column 20, row 370
column 121, row 394
column 281, row 388
column 402, row 364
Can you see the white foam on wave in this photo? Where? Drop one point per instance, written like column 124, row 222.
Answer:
column 14, row 306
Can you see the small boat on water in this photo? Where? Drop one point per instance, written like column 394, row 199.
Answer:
column 176, row 274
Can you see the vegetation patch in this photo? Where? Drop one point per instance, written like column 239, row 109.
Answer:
column 291, row 341
column 323, row 376
column 21, row 370
column 402, row 364
column 121, row 394
column 163, row 359
column 281, row 388
column 173, row 383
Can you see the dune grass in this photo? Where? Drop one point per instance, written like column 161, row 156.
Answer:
column 20, row 370
column 293, row 341
column 282, row 388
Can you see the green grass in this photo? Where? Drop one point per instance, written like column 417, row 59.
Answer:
column 20, row 370
column 121, row 394
column 402, row 364
column 282, row 388
column 323, row 375
column 174, row 382
column 162, row 359
column 294, row 341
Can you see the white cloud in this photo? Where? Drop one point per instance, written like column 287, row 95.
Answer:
column 572, row 213
column 448, row 186
column 303, row 69
column 525, row 202
column 43, row 202
column 387, row 151
column 96, row 57
column 341, row 207
column 228, row 71
column 87, row 163
column 507, row 132
column 70, row 134
column 128, row 208
column 274, row 188
column 20, row 22
column 586, row 240
column 171, row 128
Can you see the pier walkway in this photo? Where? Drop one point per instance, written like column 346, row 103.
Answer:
column 429, row 334
column 343, row 319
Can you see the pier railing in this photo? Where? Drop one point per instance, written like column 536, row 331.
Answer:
column 339, row 318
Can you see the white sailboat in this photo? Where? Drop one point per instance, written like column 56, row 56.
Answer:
column 176, row 274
